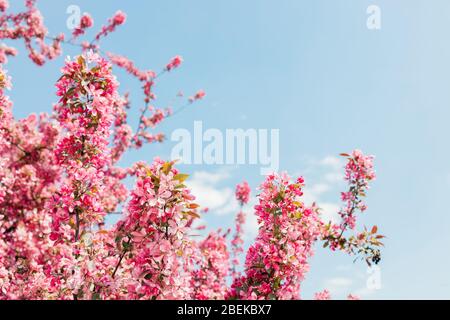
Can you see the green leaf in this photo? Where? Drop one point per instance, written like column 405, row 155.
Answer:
column 192, row 214
column 167, row 167
column 96, row 296
column 81, row 61
column 126, row 245
column 181, row 177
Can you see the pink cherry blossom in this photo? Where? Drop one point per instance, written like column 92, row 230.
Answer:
column 29, row 26
column 4, row 5
column 86, row 22
column 209, row 280
column 359, row 173
column 324, row 295
column 198, row 96
column 243, row 196
column 278, row 261
column 243, row 193
column 118, row 19
column 174, row 63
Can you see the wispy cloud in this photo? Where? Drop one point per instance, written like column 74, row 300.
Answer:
column 251, row 225
column 339, row 286
column 205, row 186
column 353, row 282
column 327, row 176
column 364, row 292
column 332, row 161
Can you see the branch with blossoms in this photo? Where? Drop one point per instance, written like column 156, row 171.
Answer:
column 152, row 237
column 29, row 26
column 209, row 279
column 147, row 79
column 88, row 91
column 358, row 173
column 278, row 260
column 242, row 196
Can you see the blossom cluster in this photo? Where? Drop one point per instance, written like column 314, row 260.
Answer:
column 359, row 172
column 88, row 91
column 243, row 197
column 209, row 279
column 278, row 260
column 118, row 19
column 154, row 230
column 28, row 179
column 29, row 26
column 85, row 23
column 243, row 193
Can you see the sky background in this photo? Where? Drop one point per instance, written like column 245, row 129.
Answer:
column 313, row 70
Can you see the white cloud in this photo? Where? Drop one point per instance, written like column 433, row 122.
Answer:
column 339, row 282
column 207, row 189
column 334, row 177
column 343, row 268
column 210, row 178
column 342, row 286
column 209, row 196
column 338, row 286
column 319, row 188
column 251, row 225
column 328, row 176
column 364, row 293
column 232, row 205
column 329, row 212
column 204, row 186
column 333, row 162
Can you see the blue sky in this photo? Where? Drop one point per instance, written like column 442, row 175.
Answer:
column 313, row 70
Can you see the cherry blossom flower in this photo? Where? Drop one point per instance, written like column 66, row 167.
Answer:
column 278, row 260
column 198, row 96
column 88, row 91
column 243, row 196
column 359, row 173
column 324, row 295
column 243, row 193
column 118, row 19
column 4, row 5
column 174, row 63
column 29, row 26
column 86, row 22
column 209, row 279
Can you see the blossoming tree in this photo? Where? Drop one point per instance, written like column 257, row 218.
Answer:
column 59, row 180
